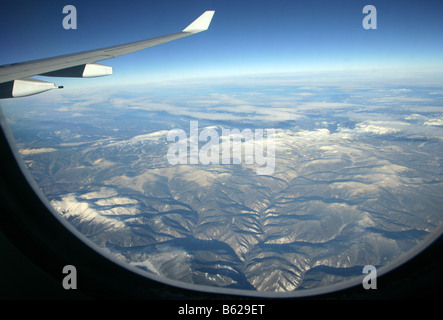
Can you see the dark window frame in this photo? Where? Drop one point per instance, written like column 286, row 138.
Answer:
column 29, row 223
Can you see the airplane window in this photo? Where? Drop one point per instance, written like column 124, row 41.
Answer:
column 288, row 179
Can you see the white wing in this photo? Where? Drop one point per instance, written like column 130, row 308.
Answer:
column 14, row 81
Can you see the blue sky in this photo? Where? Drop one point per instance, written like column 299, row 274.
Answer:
column 244, row 37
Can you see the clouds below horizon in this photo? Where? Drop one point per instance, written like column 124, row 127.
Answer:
column 267, row 102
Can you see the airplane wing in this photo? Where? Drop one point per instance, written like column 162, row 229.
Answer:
column 15, row 81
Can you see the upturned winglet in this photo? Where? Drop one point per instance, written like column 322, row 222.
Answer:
column 201, row 23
